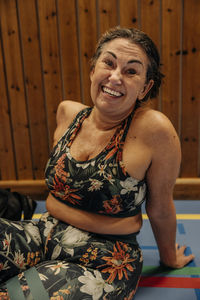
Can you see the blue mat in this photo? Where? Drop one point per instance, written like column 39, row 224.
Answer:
column 187, row 234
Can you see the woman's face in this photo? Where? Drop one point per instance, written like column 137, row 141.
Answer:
column 119, row 77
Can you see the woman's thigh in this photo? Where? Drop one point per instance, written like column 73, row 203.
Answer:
column 80, row 265
column 116, row 264
column 20, row 247
column 62, row 280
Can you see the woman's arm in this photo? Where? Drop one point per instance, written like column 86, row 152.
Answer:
column 160, row 207
column 66, row 112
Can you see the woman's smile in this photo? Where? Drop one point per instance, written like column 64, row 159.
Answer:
column 111, row 92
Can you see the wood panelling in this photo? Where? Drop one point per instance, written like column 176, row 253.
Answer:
column 45, row 51
column 128, row 13
column 33, row 85
column 88, row 36
column 69, row 49
column 51, row 63
column 6, row 143
column 108, row 14
column 151, row 24
column 171, row 60
column 15, row 86
column 190, row 88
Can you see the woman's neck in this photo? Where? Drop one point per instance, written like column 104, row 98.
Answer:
column 104, row 122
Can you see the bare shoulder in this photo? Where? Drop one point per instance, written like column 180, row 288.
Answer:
column 155, row 128
column 66, row 112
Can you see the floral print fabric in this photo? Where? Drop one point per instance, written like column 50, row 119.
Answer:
column 102, row 184
column 20, row 247
column 71, row 263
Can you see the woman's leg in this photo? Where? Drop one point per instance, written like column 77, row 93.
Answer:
column 81, row 265
column 20, row 247
column 109, row 266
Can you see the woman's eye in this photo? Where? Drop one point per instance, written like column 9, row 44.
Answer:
column 108, row 63
column 131, row 71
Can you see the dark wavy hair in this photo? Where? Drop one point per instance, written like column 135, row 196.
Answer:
column 140, row 38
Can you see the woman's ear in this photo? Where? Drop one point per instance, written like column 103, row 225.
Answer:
column 146, row 89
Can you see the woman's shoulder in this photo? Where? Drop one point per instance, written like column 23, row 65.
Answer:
column 67, row 110
column 154, row 125
column 153, row 120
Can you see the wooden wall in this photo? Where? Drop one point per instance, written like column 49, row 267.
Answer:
column 45, row 47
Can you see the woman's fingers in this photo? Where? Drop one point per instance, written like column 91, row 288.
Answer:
column 182, row 259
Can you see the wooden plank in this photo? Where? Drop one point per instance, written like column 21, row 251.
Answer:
column 34, row 88
column 69, row 49
column 150, row 24
column 107, row 14
column 51, row 60
column 187, row 189
column 36, row 189
column 14, row 71
column 7, row 164
column 88, row 39
column 190, row 88
column 171, row 43
column 128, row 13
column 22, row 183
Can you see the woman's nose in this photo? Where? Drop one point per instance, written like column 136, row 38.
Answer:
column 115, row 76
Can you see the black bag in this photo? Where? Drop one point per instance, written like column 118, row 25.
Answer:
column 13, row 205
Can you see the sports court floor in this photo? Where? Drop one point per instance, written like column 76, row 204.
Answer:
column 161, row 284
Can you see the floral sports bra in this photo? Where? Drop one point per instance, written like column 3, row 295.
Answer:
column 100, row 185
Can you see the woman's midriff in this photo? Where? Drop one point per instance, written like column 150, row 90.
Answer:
column 93, row 222
column 127, row 225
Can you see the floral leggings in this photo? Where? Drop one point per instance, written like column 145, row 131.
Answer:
column 50, row 259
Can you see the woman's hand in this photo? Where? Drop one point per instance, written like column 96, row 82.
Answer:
column 181, row 258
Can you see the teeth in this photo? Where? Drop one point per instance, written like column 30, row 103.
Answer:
column 111, row 92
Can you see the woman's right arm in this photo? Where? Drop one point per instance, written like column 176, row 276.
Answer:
column 66, row 112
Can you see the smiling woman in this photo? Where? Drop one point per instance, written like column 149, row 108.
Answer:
column 118, row 78
column 106, row 161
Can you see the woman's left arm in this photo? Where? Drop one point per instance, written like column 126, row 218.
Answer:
column 161, row 178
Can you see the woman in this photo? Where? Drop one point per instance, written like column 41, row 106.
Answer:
column 106, row 161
